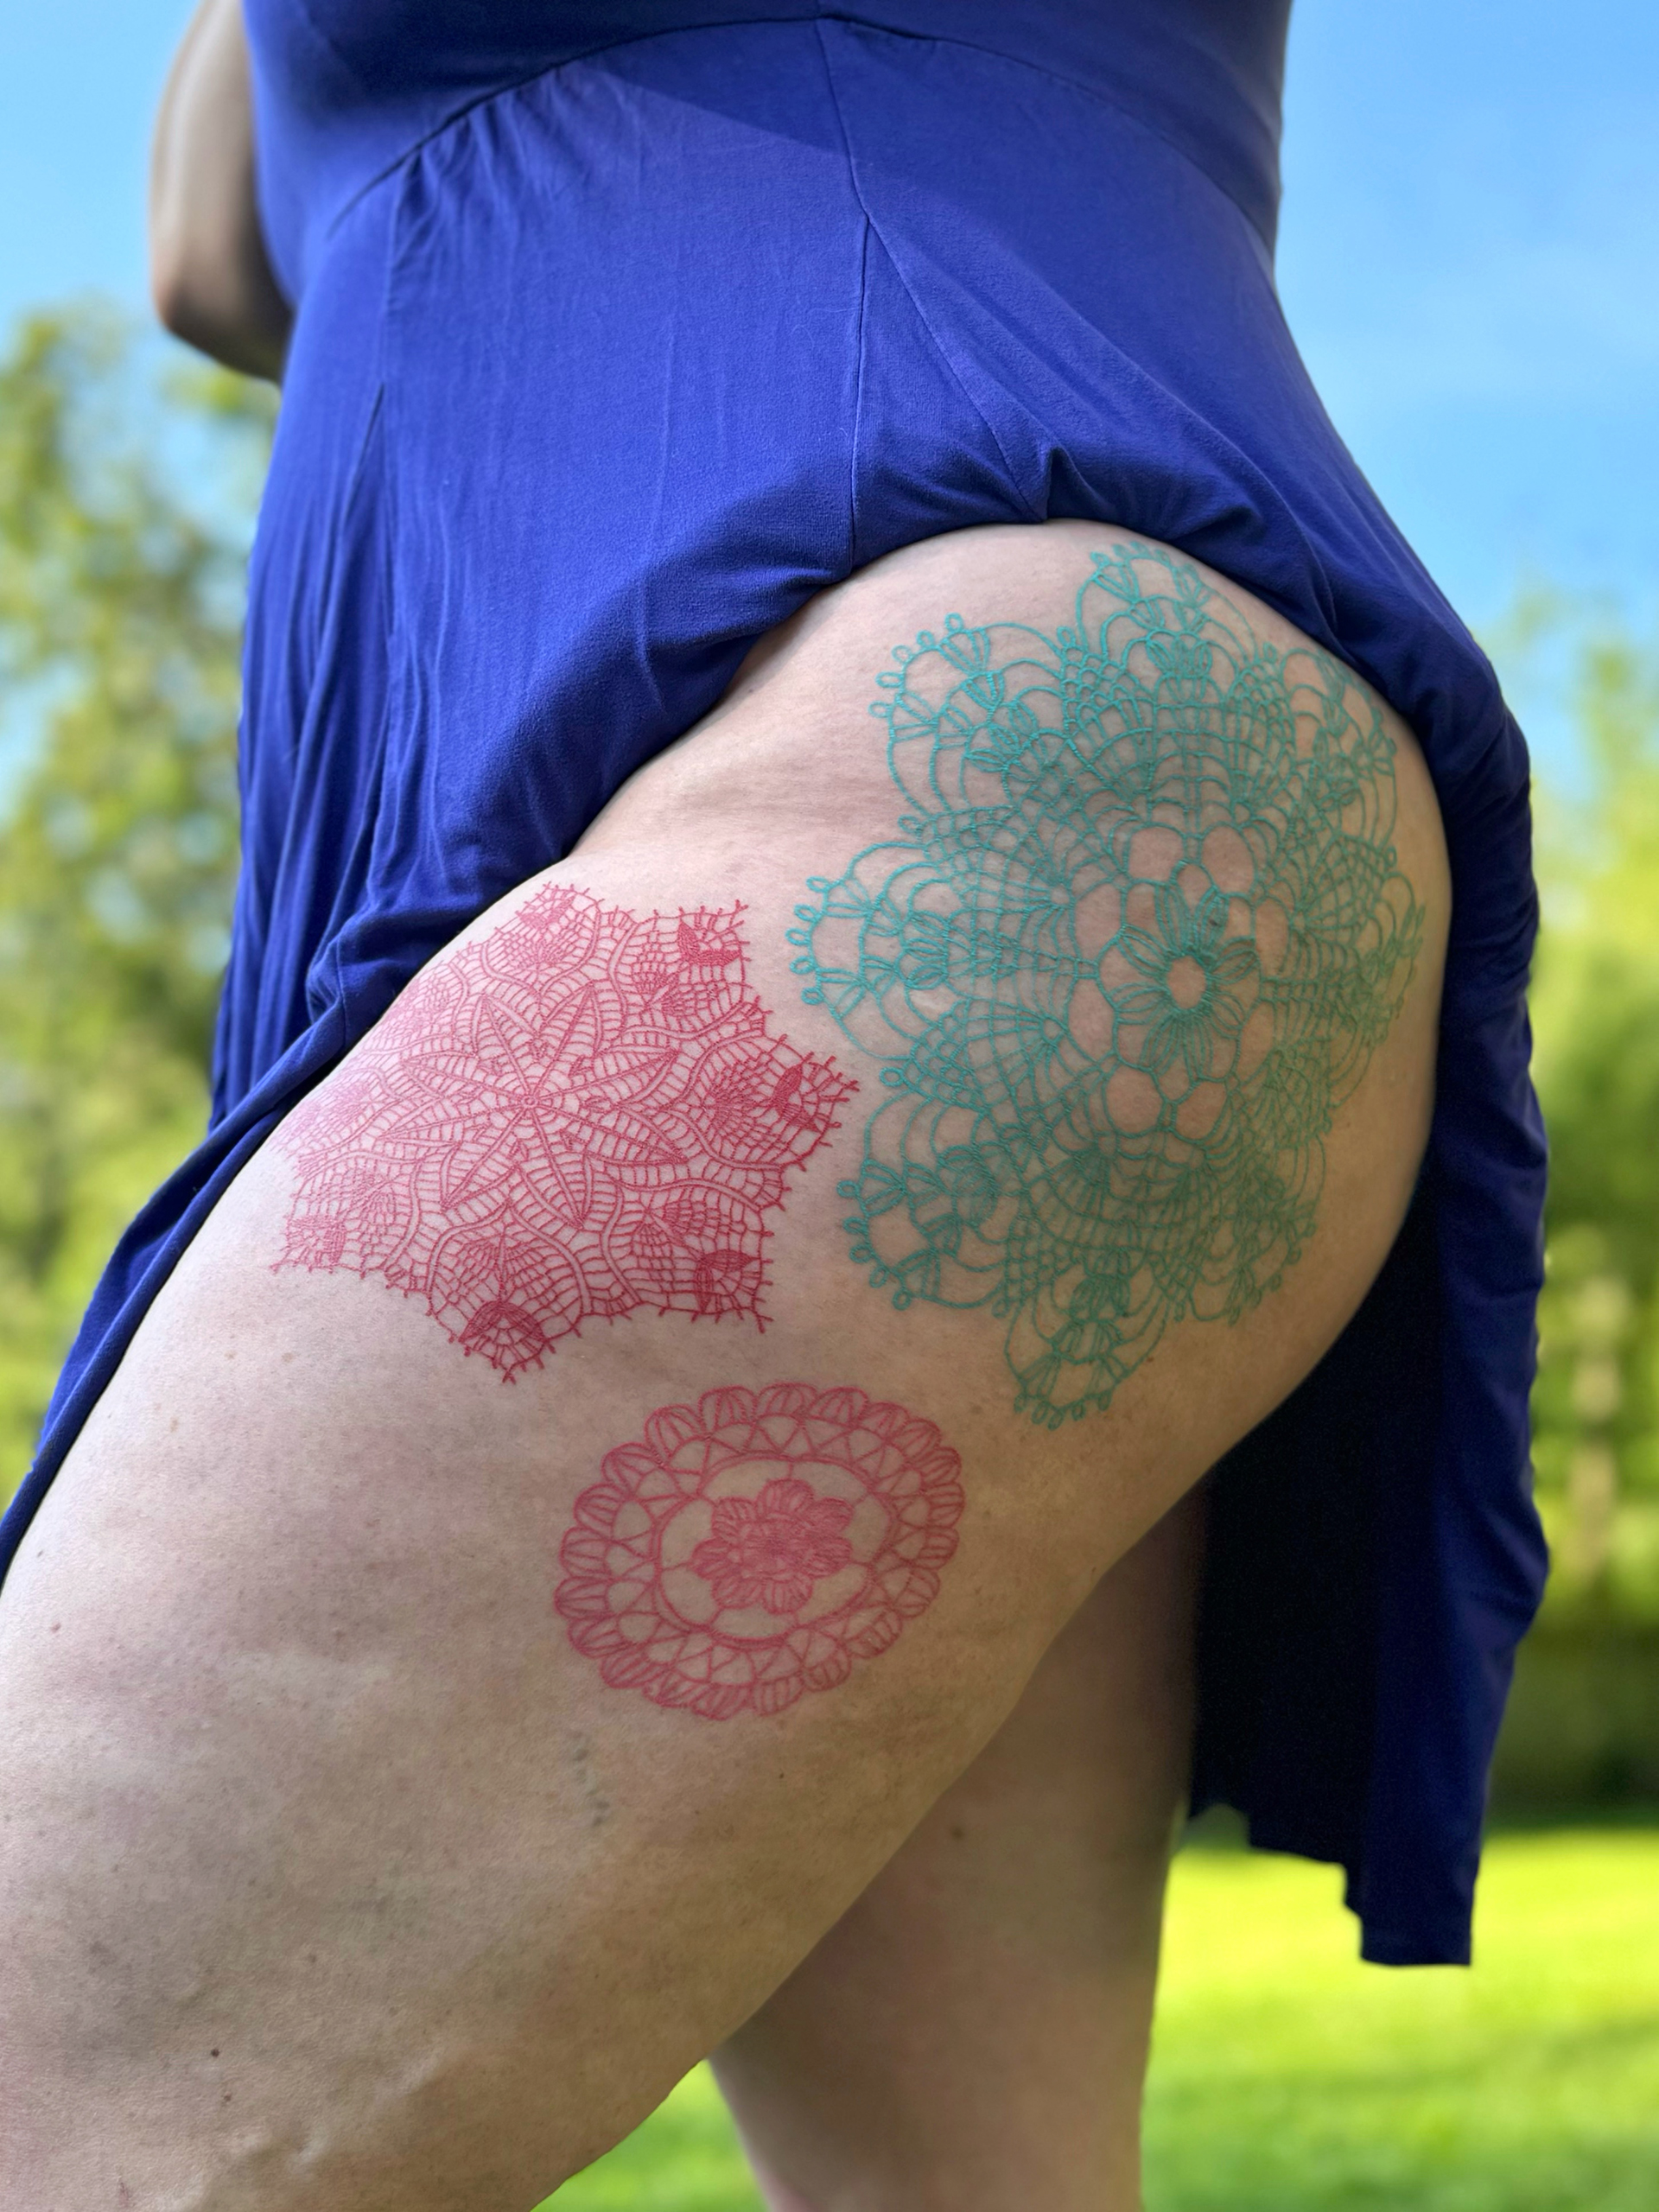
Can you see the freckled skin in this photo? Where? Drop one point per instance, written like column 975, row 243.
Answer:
column 313, row 1773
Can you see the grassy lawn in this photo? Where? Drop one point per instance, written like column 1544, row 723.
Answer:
column 1288, row 2078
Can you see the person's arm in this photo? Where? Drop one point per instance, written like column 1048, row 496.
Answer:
column 209, row 278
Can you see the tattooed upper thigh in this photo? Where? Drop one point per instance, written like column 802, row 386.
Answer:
column 1132, row 930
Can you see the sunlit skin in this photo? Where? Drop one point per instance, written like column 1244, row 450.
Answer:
column 1134, row 933
column 351, row 1882
column 210, row 278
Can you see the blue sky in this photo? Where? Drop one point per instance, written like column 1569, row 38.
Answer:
column 1469, row 260
column 1469, row 254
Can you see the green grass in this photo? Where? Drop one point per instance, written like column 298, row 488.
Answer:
column 1286, row 2075
column 1288, row 2078
column 685, row 2158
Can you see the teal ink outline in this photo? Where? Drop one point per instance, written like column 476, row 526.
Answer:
column 1139, row 930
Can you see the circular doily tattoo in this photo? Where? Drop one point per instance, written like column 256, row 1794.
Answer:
column 749, row 1548
column 1139, row 930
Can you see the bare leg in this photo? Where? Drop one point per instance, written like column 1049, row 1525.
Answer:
column 467, row 1664
column 972, row 2034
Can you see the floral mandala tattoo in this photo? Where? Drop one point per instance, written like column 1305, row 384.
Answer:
column 749, row 1548
column 580, row 1113
column 1139, row 932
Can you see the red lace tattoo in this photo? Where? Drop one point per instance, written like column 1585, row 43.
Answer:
column 752, row 1547
column 580, row 1113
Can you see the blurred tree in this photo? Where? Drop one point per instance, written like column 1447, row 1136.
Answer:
column 120, row 614
column 1596, row 1014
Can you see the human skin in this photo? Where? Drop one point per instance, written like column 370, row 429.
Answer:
column 342, row 1879
column 973, row 2030
column 210, row 278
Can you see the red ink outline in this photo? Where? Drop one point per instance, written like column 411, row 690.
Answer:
column 579, row 1115
column 751, row 1547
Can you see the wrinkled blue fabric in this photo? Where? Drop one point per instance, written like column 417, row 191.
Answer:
column 623, row 326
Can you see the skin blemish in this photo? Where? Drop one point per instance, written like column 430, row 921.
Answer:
column 1272, row 935
column 1140, row 905
column 596, row 1804
column 1230, row 863
column 1200, row 1110
column 1155, row 854
column 1099, row 913
column 579, row 1115
column 1089, row 1018
column 751, row 1548
column 1194, row 885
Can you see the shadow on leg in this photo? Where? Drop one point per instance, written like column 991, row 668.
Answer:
column 974, row 2032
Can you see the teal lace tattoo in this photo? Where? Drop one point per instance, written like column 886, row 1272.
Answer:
column 1138, row 933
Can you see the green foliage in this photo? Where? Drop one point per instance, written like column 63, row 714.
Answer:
column 1596, row 1001
column 1595, row 1016
column 120, row 614
column 1286, row 2077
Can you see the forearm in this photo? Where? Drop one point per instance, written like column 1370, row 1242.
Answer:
column 210, row 278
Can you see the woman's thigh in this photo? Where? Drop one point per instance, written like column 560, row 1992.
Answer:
column 972, row 2034
column 621, row 1451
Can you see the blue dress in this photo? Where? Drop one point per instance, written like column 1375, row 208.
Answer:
column 623, row 327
